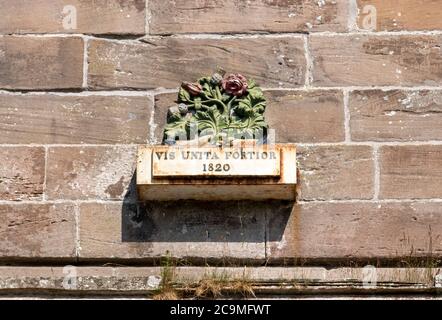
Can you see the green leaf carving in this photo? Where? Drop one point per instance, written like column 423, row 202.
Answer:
column 183, row 96
column 211, row 122
column 176, row 129
column 217, row 112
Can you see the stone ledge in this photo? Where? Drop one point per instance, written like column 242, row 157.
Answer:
column 264, row 281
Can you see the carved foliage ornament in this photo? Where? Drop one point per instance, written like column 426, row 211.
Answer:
column 220, row 108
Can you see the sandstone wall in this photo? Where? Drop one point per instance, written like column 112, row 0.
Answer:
column 355, row 84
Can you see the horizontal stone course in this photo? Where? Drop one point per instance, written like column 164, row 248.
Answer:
column 410, row 172
column 401, row 15
column 22, row 172
column 166, row 62
column 90, row 173
column 55, row 119
column 306, row 116
column 73, row 16
column 39, row 63
column 354, row 231
column 37, row 231
column 335, row 172
column 141, row 281
column 396, row 115
column 193, row 16
column 184, row 229
column 371, row 60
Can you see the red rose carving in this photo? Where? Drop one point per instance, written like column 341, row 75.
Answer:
column 235, row 84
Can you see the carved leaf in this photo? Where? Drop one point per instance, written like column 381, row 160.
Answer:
column 215, row 112
column 179, row 128
column 184, row 96
column 211, row 122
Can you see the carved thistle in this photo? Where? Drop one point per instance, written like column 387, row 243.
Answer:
column 219, row 109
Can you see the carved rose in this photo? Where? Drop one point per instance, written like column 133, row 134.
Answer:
column 235, row 84
column 193, row 88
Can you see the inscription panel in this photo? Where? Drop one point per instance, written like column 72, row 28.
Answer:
column 216, row 162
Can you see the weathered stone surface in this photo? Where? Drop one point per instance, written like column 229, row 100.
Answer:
column 58, row 16
column 335, row 172
column 275, row 280
column 356, row 231
column 202, row 230
column 411, row 172
column 306, row 116
column 376, row 60
column 296, row 116
column 41, row 62
column 90, row 172
column 74, row 119
column 396, row 115
column 398, row 15
column 184, row 16
column 106, row 280
column 37, row 231
column 272, row 62
column 438, row 281
column 21, row 173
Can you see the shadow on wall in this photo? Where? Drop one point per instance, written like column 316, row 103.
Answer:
column 201, row 221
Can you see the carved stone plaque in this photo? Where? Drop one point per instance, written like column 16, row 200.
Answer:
column 213, row 173
column 215, row 162
column 216, row 146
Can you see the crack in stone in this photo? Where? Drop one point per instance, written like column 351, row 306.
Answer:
column 412, row 111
